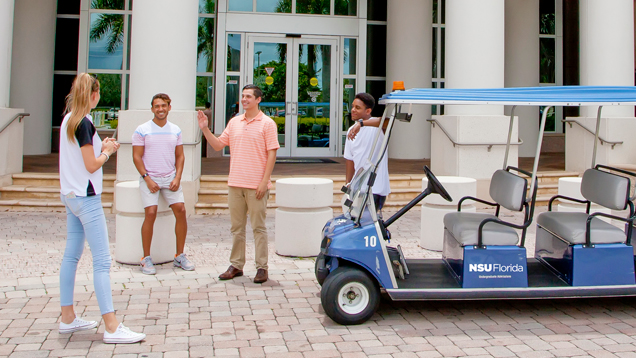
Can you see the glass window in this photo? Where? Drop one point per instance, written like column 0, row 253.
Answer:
column 346, row 7
column 280, row 6
column 376, row 10
column 547, row 66
column 319, row 7
column 233, row 52
column 232, row 97
column 350, row 53
column 240, row 5
column 377, row 89
column 106, row 36
column 376, row 50
column 66, row 44
column 110, row 90
column 434, row 52
column 107, row 4
column 348, row 95
column 207, row 6
column 61, row 87
column 205, row 47
column 205, row 93
column 68, row 7
column 547, row 17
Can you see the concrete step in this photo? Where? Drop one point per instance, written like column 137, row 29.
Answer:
column 397, row 181
column 51, row 179
column 24, row 192
column 44, row 205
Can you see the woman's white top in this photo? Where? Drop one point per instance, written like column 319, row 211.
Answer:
column 74, row 177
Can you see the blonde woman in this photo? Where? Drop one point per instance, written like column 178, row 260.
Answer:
column 82, row 155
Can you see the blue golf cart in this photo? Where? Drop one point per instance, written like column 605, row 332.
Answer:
column 484, row 256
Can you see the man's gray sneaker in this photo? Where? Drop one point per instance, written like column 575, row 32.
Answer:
column 183, row 262
column 147, row 267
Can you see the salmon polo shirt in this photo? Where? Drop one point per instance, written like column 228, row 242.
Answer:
column 249, row 143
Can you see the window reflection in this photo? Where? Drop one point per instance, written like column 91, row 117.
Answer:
column 280, row 6
column 205, row 47
column 346, row 7
column 207, row 6
column 350, row 52
column 107, row 4
column 105, row 51
column 239, row 5
column 319, row 7
column 233, row 52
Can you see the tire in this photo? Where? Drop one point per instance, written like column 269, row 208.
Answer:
column 318, row 278
column 349, row 296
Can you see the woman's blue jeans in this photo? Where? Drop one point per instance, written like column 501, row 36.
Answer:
column 85, row 221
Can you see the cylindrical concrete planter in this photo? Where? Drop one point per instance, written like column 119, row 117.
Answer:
column 130, row 217
column 434, row 207
column 571, row 187
column 303, row 210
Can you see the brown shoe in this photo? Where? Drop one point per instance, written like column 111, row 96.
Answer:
column 261, row 276
column 231, row 273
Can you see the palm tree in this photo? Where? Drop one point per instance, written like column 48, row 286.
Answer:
column 205, row 45
column 111, row 25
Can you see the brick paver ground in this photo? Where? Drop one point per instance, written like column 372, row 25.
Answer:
column 193, row 314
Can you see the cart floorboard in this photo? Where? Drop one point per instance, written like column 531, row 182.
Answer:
column 430, row 279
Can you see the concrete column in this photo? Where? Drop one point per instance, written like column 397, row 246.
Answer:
column 522, row 65
column 474, row 59
column 163, row 59
column 475, row 50
column 32, row 70
column 6, row 41
column 607, row 59
column 409, row 59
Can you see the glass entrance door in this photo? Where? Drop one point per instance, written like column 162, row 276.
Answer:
column 297, row 76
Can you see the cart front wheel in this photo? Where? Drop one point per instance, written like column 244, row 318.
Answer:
column 350, row 296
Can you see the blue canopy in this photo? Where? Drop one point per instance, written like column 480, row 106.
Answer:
column 522, row 96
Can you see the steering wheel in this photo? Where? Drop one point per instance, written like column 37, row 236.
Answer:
column 435, row 186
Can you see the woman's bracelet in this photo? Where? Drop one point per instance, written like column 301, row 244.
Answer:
column 107, row 156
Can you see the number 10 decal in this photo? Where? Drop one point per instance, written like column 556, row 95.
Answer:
column 372, row 242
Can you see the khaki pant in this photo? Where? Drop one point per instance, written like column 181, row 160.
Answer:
column 242, row 202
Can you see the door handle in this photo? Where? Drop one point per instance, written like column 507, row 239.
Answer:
column 288, row 108
column 294, row 108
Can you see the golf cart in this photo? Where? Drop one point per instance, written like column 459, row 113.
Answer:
column 484, row 256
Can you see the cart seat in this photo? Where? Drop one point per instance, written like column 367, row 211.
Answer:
column 599, row 187
column 465, row 227
column 571, row 227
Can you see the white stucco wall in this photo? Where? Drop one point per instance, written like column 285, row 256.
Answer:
column 32, row 70
column 409, row 31
column 522, row 65
column 6, row 39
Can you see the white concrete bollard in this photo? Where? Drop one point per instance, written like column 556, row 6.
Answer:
column 434, row 207
column 571, row 187
column 130, row 217
column 303, row 209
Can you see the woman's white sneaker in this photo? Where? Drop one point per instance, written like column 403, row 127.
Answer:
column 123, row 335
column 78, row 324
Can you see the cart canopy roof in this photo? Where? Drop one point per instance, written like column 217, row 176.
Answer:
column 520, row 96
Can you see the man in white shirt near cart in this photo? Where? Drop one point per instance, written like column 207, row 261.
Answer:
column 358, row 147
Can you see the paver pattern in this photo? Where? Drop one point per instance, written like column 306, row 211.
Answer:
column 193, row 314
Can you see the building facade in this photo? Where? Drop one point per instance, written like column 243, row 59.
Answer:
column 311, row 57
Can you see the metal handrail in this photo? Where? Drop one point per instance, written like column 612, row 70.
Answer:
column 455, row 143
column 18, row 116
column 603, row 141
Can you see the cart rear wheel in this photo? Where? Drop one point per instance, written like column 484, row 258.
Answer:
column 350, row 296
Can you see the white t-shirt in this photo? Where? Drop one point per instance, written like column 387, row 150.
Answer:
column 159, row 147
column 73, row 174
column 358, row 150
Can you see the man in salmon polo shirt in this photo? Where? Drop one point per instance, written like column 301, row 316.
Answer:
column 253, row 141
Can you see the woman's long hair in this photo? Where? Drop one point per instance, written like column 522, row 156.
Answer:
column 78, row 102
